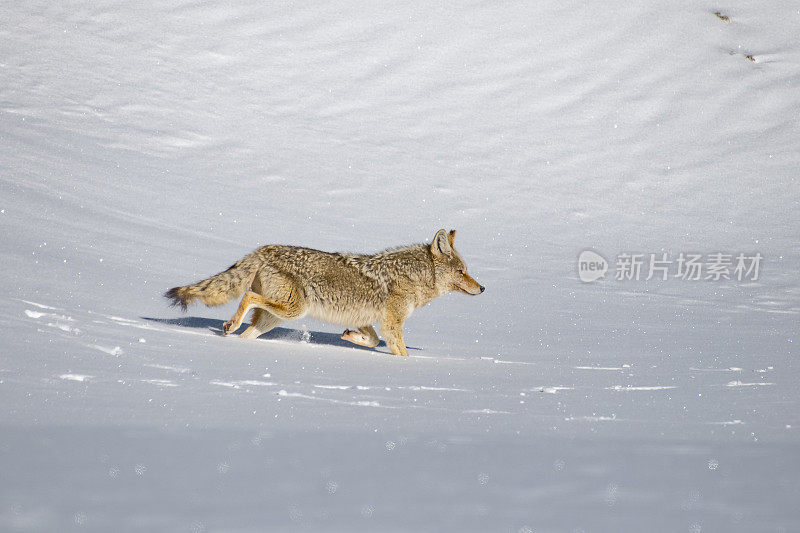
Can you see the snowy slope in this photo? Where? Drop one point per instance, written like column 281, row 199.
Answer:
column 150, row 144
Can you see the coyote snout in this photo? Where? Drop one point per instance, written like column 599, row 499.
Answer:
column 354, row 290
column 470, row 286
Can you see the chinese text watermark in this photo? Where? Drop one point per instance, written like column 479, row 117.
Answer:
column 662, row 266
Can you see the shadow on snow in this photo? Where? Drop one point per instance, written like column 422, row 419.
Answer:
column 278, row 333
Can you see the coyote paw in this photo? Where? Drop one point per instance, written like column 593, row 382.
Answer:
column 398, row 350
column 226, row 328
column 356, row 337
column 350, row 335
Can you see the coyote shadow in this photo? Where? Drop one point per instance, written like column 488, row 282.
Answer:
column 278, row 333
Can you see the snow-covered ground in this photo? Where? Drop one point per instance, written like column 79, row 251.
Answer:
column 150, row 144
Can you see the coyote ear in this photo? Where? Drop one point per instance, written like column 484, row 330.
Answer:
column 441, row 244
column 451, row 238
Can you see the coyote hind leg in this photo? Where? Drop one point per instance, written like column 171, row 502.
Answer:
column 262, row 322
column 365, row 336
column 286, row 302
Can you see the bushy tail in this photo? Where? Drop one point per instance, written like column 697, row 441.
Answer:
column 220, row 288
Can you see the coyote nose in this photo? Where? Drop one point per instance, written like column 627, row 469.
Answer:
column 483, row 288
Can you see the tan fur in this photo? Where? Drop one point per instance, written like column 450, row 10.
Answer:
column 354, row 290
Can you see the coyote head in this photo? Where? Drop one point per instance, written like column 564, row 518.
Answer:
column 451, row 272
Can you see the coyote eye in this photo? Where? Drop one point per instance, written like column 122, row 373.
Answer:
column 462, row 272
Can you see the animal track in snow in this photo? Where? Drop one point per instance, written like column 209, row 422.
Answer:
column 730, row 369
column 736, row 422
column 612, row 418
column 75, row 377
column 623, row 367
column 160, row 382
column 63, row 327
column 241, row 383
column 149, row 327
column 739, row 383
column 40, row 306
column 407, row 387
column 178, row 369
column 61, row 322
column 115, row 351
column 505, row 362
column 641, row 388
column 552, row 390
column 359, row 403
column 423, row 387
column 52, row 316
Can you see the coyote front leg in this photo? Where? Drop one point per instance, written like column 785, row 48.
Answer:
column 365, row 336
column 393, row 333
column 392, row 326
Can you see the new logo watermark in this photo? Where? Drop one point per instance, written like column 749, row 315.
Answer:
column 685, row 266
column 591, row 266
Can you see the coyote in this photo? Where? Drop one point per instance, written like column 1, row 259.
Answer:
column 354, row 290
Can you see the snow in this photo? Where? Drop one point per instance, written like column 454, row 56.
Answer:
column 146, row 145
